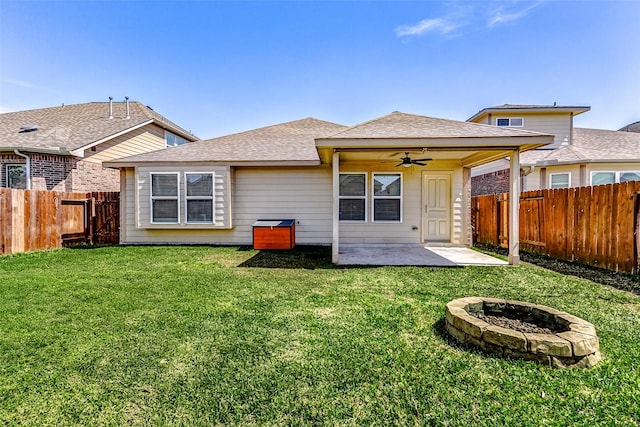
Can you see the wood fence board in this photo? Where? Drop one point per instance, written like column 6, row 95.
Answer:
column 598, row 226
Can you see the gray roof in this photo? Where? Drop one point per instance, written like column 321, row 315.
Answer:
column 631, row 127
column 522, row 108
column 399, row 125
column 291, row 142
column 72, row 127
column 590, row 145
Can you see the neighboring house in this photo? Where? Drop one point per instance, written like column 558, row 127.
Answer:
column 398, row 179
column 578, row 157
column 62, row 148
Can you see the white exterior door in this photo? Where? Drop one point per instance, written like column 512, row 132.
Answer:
column 436, row 215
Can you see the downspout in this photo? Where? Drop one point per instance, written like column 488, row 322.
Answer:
column 28, row 167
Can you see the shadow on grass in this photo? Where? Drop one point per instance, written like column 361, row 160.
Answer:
column 623, row 281
column 305, row 257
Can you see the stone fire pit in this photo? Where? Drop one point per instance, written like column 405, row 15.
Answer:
column 523, row 330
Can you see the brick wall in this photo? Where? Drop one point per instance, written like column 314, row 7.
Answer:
column 490, row 183
column 63, row 173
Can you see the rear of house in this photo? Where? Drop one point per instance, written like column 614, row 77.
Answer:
column 398, row 179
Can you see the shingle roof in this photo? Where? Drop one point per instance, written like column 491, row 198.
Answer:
column 631, row 127
column 71, row 127
column 590, row 145
column 399, row 125
column 287, row 142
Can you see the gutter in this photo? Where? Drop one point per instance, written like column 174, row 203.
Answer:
column 28, row 167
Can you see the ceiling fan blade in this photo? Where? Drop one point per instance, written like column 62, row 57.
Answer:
column 423, row 160
column 399, row 164
column 415, row 162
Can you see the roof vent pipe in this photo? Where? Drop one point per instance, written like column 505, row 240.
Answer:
column 110, row 107
column 126, row 103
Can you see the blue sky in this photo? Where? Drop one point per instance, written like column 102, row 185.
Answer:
column 217, row 67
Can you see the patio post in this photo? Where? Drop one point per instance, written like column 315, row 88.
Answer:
column 335, row 239
column 514, row 208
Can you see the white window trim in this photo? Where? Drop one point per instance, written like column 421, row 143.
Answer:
column 365, row 197
column 551, row 175
column 374, row 197
column 212, row 198
column 510, row 119
column 6, row 173
column 177, row 137
column 616, row 175
column 152, row 197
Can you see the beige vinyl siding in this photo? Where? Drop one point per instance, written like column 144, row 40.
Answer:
column 410, row 229
column 558, row 125
column 143, row 140
column 303, row 194
column 222, row 211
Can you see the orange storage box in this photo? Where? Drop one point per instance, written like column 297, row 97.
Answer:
column 274, row 234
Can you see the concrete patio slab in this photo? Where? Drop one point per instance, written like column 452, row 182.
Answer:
column 418, row 255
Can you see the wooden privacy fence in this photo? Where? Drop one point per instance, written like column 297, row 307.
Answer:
column 33, row 220
column 596, row 226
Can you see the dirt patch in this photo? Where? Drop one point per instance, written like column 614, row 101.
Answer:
column 623, row 281
column 514, row 324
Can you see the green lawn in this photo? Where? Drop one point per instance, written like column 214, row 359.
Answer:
column 209, row 336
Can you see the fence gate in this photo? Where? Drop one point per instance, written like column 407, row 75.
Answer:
column 106, row 220
column 78, row 226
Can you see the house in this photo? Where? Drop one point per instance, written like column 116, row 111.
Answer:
column 62, row 148
column 400, row 179
column 578, row 157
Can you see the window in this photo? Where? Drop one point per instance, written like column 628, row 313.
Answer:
column 199, row 197
column 164, row 198
column 387, row 196
column 173, row 140
column 353, row 197
column 600, row 178
column 17, row 176
column 511, row 121
column 560, row 180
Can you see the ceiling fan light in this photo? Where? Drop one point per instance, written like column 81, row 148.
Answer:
column 406, row 164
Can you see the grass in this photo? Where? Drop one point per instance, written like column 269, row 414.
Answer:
column 212, row 336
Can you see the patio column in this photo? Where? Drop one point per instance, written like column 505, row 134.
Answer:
column 335, row 239
column 514, row 208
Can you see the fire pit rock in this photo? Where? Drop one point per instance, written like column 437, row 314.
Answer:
column 513, row 329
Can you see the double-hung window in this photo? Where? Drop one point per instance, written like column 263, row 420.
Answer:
column 387, row 197
column 165, row 196
column 353, row 197
column 199, row 197
column 600, row 178
column 560, row 180
column 17, row 176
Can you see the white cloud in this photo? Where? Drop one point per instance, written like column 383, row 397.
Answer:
column 443, row 26
column 20, row 83
column 500, row 16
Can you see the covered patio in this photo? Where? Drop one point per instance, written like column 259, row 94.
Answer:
column 414, row 254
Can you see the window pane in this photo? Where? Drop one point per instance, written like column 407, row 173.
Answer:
column 352, row 209
column 171, row 139
column 502, row 122
column 164, row 185
column 600, row 178
column 560, row 180
column 629, row 176
column 199, row 184
column 352, row 185
column 17, row 176
column 199, row 210
column 386, row 185
column 165, row 211
column 516, row 122
column 386, row 210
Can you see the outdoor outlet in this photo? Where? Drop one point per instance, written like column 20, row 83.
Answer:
column 414, row 228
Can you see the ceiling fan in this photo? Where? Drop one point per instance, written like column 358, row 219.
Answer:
column 406, row 161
